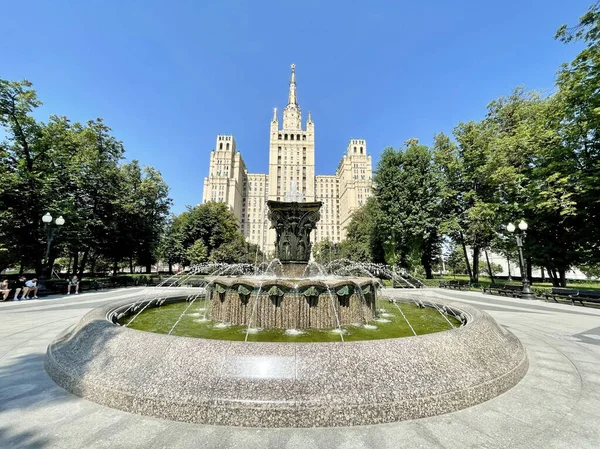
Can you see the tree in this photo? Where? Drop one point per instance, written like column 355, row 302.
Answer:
column 408, row 196
column 212, row 222
column 324, row 251
column 484, row 269
column 578, row 102
column 591, row 271
column 23, row 166
column 215, row 226
column 144, row 204
column 363, row 243
column 171, row 248
column 72, row 170
column 232, row 251
column 197, row 253
column 456, row 261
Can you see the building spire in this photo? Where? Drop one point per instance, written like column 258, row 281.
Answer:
column 292, row 96
column 274, row 115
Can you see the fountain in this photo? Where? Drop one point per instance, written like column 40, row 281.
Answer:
column 277, row 348
column 287, row 301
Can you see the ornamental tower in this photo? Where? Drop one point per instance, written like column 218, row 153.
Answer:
column 291, row 150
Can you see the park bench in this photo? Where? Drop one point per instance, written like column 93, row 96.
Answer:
column 459, row 285
column 574, row 295
column 59, row 286
column 504, row 290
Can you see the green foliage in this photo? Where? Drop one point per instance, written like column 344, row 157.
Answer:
column 232, row 251
column 212, row 222
column 207, row 232
column 197, row 253
column 483, row 268
column 112, row 212
column 408, row 197
column 455, row 262
column 362, row 242
column 591, row 271
column 324, row 251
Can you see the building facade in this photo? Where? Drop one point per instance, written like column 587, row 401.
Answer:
column 291, row 166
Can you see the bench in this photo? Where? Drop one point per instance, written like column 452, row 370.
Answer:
column 574, row 295
column 459, row 285
column 60, row 286
column 504, row 290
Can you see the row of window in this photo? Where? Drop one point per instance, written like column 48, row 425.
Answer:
column 290, row 136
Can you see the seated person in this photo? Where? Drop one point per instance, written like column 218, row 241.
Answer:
column 31, row 287
column 4, row 289
column 20, row 286
column 74, row 282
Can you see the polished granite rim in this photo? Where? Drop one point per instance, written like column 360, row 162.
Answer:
column 285, row 384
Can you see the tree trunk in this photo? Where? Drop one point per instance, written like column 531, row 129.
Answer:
column 464, row 247
column 553, row 276
column 170, row 268
column 148, row 268
column 75, row 262
column 115, row 263
column 563, row 279
column 131, row 264
column 39, row 266
column 475, row 277
column 69, row 264
column 550, row 275
column 487, row 258
column 426, row 262
column 93, row 265
column 84, row 260
column 543, row 274
column 51, row 260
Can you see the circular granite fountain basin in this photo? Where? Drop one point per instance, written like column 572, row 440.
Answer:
column 285, row 384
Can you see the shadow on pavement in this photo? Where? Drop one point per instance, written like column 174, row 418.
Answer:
column 25, row 385
column 21, row 440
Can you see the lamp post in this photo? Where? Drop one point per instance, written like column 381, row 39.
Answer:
column 526, row 293
column 47, row 219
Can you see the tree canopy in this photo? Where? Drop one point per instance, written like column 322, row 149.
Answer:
column 113, row 211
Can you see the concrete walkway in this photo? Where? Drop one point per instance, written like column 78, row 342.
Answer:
column 556, row 405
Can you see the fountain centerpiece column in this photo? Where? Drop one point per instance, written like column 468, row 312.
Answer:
column 293, row 220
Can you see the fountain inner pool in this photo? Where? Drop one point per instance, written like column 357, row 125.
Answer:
column 424, row 320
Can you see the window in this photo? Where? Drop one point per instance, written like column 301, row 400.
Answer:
column 279, row 137
column 291, row 137
column 221, row 146
column 361, row 150
column 227, row 147
column 285, row 137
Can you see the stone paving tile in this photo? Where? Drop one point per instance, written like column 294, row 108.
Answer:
column 556, row 405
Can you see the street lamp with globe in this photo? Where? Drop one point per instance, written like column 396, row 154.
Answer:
column 526, row 292
column 47, row 219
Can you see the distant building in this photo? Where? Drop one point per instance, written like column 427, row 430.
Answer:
column 291, row 160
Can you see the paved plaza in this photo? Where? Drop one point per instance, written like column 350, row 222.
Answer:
column 556, row 405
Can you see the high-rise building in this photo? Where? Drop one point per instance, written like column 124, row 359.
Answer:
column 291, row 165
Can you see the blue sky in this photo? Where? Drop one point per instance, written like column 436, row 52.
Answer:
column 169, row 76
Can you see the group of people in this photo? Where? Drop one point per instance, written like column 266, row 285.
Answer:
column 24, row 286
column 29, row 287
